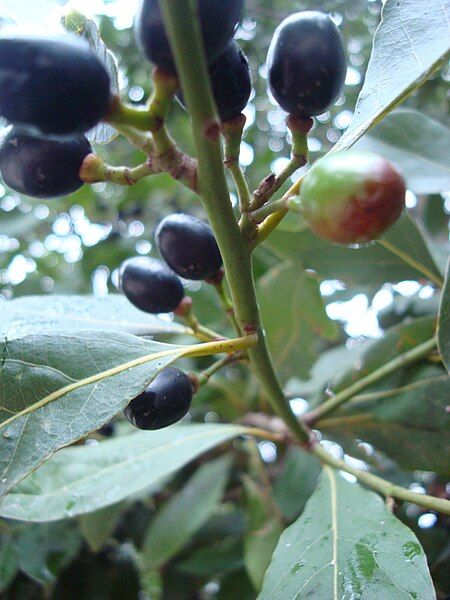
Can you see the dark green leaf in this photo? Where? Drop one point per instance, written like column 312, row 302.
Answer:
column 83, row 479
column 9, row 561
column 222, row 557
column 444, row 322
column 347, row 544
column 294, row 318
column 418, row 30
column 97, row 527
column 185, row 513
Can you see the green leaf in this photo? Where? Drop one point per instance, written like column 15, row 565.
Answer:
column 418, row 145
column 97, row 527
column 418, row 30
column 222, row 557
column 264, row 528
column 185, row 513
column 9, row 561
column 373, row 264
column 347, row 544
column 409, row 423
column 294, row 318
column 296, row 482
column 36, row 314
column 57, row 388
column 444, row 322
column 83, row 479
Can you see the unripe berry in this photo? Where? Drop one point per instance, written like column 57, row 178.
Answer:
column 150, row 285
column 188, row 246
column 53, row 84
column 306, row 64
column 218, row 20
column 164, row 402
column 352, row 197
column 230, row 81
column 42, row 168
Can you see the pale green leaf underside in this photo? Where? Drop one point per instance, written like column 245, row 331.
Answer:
column 82, row 479
column 347, row 545
column 411, row 43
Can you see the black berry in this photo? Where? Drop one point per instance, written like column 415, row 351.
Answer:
column 218, row 23
column 230, row 80
column 306, row 64
column 42, row 168
column 164, row 402
column 55, row 85
column 150, row 285
column 188, row 246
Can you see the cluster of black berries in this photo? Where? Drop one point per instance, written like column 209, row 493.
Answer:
column 189, row 249
column 52, row 90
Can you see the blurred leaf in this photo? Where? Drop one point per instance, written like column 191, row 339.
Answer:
column 44, row 550
column 97, row 527
column 36, row 314
column 57, row 388
column 185, row 513
column 264, row 527
column 347, row 544
column 83, row 479
column 409, row 423
column 419, row 32
column 9, row 561
column 294, row 318
column 296, row 482
column 236, row 585
column 77, row 23
column 222, row 557
column 444, row 322
column 372, row 264
column 418, row 145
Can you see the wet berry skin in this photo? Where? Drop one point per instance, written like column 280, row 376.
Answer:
column 230, row 81
column 40, row 167
column 150, row 285
column 164, row 402
column 306, row 64
column 352, row 197
column 218, row 19
column 55, row 85
column 188, row 246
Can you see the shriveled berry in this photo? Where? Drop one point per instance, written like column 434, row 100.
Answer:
column 306, row 64
column 164, row 402
column 352, row 197
column 230, row 80
column 42, row 168
column 188, row 246
column 150, row 285
column 54, row 84
column 218, row 20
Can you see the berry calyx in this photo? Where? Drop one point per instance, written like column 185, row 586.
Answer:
column 218, row 22
column 150, row 285
column 53, row 84
column 351, row 197
column 164, row 402
column 230, row 81
column 188, row 246
column 42, row 168
column 306, row 64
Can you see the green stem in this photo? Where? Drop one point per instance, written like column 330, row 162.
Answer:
column 262, row 213
column 397, row 363
column 206, row 375
column 241, row 185
column 226, row 303
column 185, row 37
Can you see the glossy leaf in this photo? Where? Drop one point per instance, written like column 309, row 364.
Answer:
column 393, row 76
column 185, row 513
column 347, row 544
column 264, row 527
column 56, row 388
column 83, row 479
column 36, row 314
column 418, row 145
column 294, row 318
column 444, row 321
column 373, row 264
